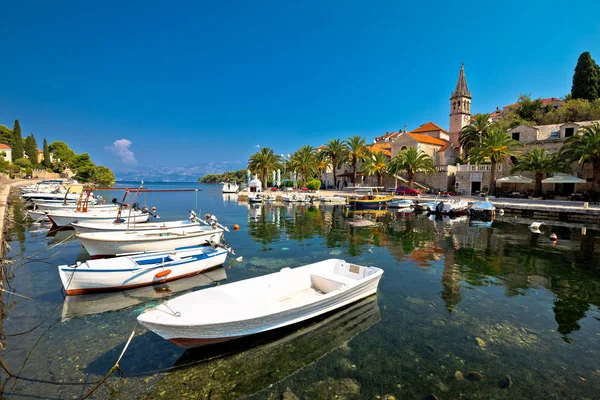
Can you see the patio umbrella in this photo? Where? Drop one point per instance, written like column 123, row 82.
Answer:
column 278, row 177
column 514, row 179
column 563, row 178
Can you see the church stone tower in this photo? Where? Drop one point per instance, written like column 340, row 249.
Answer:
column 460, row 107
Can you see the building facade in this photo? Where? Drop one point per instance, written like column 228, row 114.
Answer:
column 6, row 152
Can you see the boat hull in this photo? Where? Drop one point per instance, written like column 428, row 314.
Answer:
column 90, row 227
column 134, row 242
column 104, row 217
column 94, row 277
column 189, row 336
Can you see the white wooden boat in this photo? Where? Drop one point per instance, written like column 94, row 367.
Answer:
column 449, row 207
column 88, row 227
column 332, row 199
column 229, row 187
column 45, row 206
column 128, row 242
column 67, row 217
column 37, row 215
column 261, row 304
column 400, row 204
column 261, row 199
column 127, row 272
column 56, row 196
column 97, row 303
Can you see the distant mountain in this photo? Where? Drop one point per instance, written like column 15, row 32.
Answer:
column 164, row 173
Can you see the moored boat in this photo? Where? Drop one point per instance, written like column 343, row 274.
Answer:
column 332, row 199
column 369, row 197
column 129, row 242
column 449, row 207
column 230, row 187
column 261, row 304
column 67, row 217
column 482, row 209
column 400, row 204
column 127, row 272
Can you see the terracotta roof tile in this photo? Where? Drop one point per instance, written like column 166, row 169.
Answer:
column 427, row 139
column 429, row 127
column 4, row 146
column 385, row 148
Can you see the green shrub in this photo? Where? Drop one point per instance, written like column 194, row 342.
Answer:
column 313, row 184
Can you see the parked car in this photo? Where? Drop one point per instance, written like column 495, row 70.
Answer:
column 406, row 191
column 446, row 194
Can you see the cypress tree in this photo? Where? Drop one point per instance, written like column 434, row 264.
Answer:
column 17, row 151
column 31, row 148
column 47, row 162
column 585, row 79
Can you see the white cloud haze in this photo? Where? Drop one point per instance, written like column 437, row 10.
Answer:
column 120, row 148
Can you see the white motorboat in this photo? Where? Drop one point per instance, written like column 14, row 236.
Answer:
column 230, row 187
column 449, row 207
column 48, row 185
column 54, row 197
column 332, row 199
column 483, row 209
column 400, row 204
column 127, row 272
column 261, row 304
column 261, row 199
column 67, row 217
column 129, row 242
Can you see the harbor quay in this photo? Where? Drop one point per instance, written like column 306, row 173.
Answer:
column 560, row 210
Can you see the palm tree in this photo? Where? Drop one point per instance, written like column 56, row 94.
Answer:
column 357, row 150
column 539, row 162
column 496, row 145
column 305, row 162
column 585, row 147
column 323, row 162
column 473, row 133
column 262, row 162
column 336, row 150
column 412, row 161
column 376, row 163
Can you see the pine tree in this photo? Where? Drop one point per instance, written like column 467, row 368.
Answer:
column 47, row 162
column 17, row 151
column 585, row 79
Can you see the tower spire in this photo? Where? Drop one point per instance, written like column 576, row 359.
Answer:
column 461, row 90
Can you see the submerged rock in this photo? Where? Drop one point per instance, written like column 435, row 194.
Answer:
column 459, row 376
column 330, row 388
column 474, row 376
column 288, row 395
column 506, row 382
column 430, row 396
column 481, row 343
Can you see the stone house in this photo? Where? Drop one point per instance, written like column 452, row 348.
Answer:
column 6, row 152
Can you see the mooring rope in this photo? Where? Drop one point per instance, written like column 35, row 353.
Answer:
column 26, row 257
column 113, row 369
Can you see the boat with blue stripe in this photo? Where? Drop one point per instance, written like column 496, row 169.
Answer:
column 143, row 269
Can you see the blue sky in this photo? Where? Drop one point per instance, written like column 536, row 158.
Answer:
column 190, row 83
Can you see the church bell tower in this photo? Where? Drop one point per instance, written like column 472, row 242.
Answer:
column 460, row 107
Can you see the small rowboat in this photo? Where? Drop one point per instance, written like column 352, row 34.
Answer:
column 127, row 272
column 261, row 304
column 100, row 244
column 400, row 204
column 333, row 199
column 67, row 217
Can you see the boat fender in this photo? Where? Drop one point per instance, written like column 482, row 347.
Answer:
column 207, row 216
column 163, row 273
column 553, row 237
column 236, row 227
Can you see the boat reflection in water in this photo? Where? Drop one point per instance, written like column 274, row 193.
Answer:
column 87, row 304
column 233, row 370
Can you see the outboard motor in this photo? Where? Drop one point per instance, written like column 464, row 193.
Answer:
column 193, row 216
column 145, row 209
column 114, row 201
column 439, row 207
column 135, row 206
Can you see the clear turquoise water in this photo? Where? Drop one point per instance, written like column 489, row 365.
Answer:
column 454, row 299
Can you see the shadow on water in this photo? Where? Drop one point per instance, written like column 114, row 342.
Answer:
column 249, row 365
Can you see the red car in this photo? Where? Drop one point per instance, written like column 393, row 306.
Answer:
column 406, row 191
column 446, row 194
